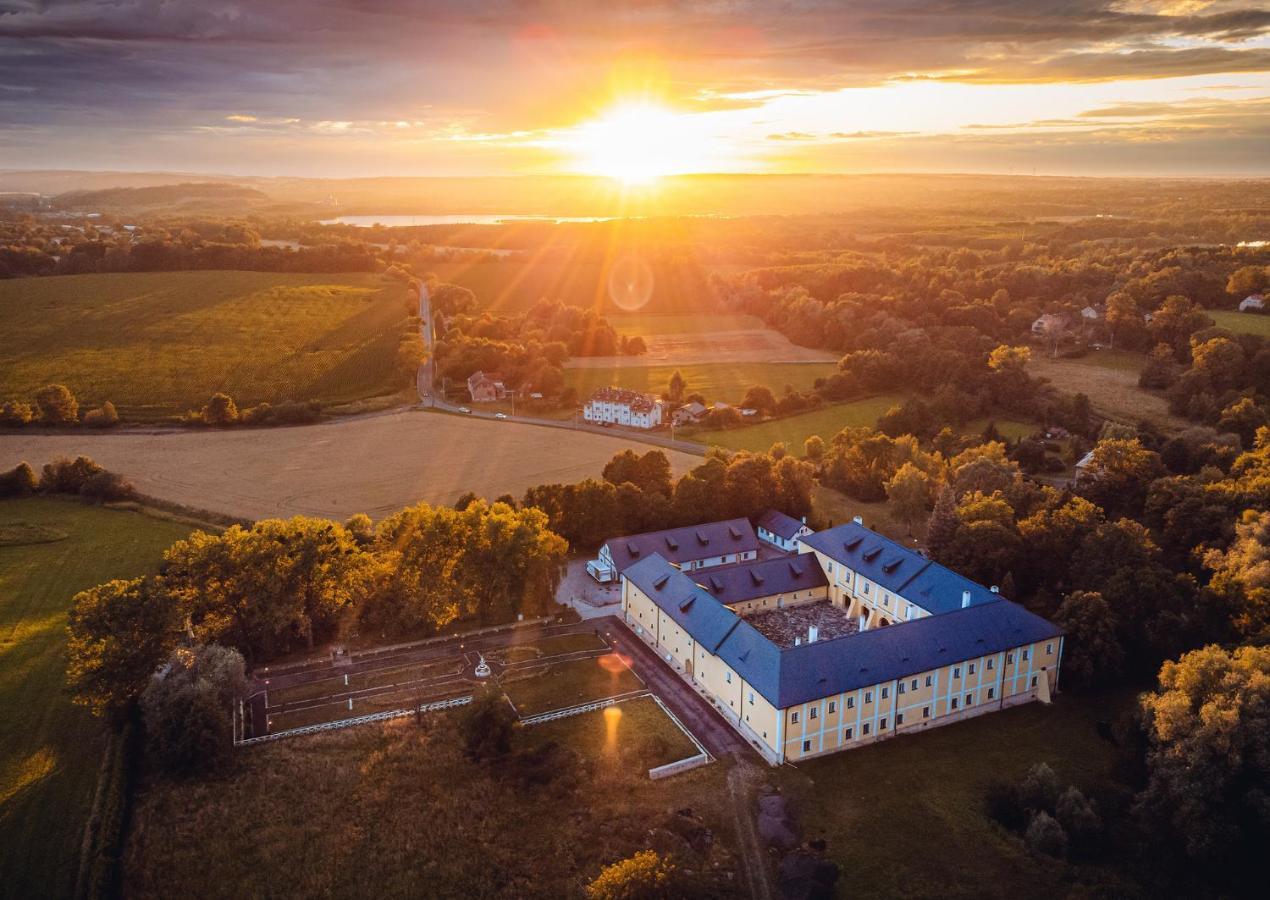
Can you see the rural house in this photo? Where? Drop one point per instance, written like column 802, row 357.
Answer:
column 483, row 388
column 781, row 530
column 619, row 406
column 689, row 413
column 880, row 641
column 1253, row 302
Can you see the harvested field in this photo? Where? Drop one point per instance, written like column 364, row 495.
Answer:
column 1109, row 378
column 375, row 465
column 748, row 345
column 717, row 381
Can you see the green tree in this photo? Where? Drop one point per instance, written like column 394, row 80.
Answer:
column 943, row 523
column 814, row 448
column 1243, row 417
column 761, row 398
column 1248, row 280
column 57, row 405
column 104, row 417
column 120, row 632
column 645, row 876
column 1092, row 655
column 15, row 413
column 1208, row 730
column 909, row 494
column 18, row 481
column 1119, row 474
column 188, row 708
column 676, row 388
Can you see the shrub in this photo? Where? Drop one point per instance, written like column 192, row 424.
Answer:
column 644, row 876
column 1045, row 835
column 1079, row 819
column 105, row 417
column 57, row 404
column 257, row 415
column 297, row 413
column 66, row 476
column 220, row 410
column 18, row 481
column 1039, row 789
column 1005, row 806
column 488, row 725
column 15, row 414
column 107, row 487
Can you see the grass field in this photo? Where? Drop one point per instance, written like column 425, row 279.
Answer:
column 652, row 325
column 929, row 789
column 1109, row 378
column 835, row 507
column 399, row 810
column 637, row 732
column 361, row 680
column 1242, row 323
column 717, row 382
column 50, row 750
column 566, row 684
column 793, row 430
column 158, row 344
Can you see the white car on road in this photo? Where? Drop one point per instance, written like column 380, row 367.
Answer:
column 500, row 415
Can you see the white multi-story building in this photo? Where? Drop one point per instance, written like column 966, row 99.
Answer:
column 618, row 406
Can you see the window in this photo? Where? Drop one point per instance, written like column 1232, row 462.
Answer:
column 970, row 699
column 928, row 681
column 833, row 707
column 1009, row 659
column 899, row 688
column 1033, row 681
column 815, row 713
column 751, row 698
column 728, row 677
column 971, row 670
column 956, row 671
column 865, row 730
column 793, row 717
column 851, row 703
column 806, row 746
column 992, row 692
column 831, row 568
column 866, row 587
column 908, row 613
column 915, row 684
column 1049, row 649
column 868, row 696
column 1026, row 651
column 886, row 692
column 886, row 601
column 989, row 665
column 899, row 719
column 847, row 735
column 882, row 724
column 925, row 712
column 954, row 703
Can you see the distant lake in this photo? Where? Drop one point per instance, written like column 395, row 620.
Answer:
column 474, row 219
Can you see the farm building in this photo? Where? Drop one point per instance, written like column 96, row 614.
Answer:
column 691, row 547
column 689, row 413
column 618, row 406
column 483, row 388
column 781, row 530
column 881, row 641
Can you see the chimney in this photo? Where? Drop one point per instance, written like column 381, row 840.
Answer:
column 965, row 599
column 859, row 520
column 995, row 589
column 804, row 520
column 812, row 633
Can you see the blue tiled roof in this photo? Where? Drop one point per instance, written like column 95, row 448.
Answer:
column 684, row 544
column 812, row 671
column 778, row 523
column 898, row 569
column 686, row 602
column 738, row 583
column 793, row 675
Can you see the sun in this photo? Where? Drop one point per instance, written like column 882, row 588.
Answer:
column 638, row 142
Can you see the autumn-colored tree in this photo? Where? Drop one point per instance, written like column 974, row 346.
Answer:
column 15, row 413
column 909, row 493
column 119, row 634
column 647, row 875
column 220, row 410
column 1241, row 576
column 57, row 405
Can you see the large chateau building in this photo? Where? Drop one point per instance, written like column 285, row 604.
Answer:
column 618, row 406
column 693, row 547
column 851, row 639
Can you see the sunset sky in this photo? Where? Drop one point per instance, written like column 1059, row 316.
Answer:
column 636, row 89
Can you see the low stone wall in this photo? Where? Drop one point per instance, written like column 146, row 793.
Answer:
column 679, row 765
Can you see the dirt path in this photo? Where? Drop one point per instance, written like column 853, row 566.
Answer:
column 743, row 781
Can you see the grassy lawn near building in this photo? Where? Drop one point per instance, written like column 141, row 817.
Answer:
column 906, row 817
column 635, row 733
column 50, row 750
column 1109, row 378
column 717, row 382
column 831, row 506
column 566, row 684
column 794, row 430
column 399, row 810
column 159, row 344
column 1242, row 323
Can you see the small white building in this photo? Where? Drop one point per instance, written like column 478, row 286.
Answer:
column 780, row 530
column 1255, row 302
column 689, row 413
column 1047, row 322
column 619, row 406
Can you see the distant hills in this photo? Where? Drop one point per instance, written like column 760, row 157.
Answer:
column 203, row 195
